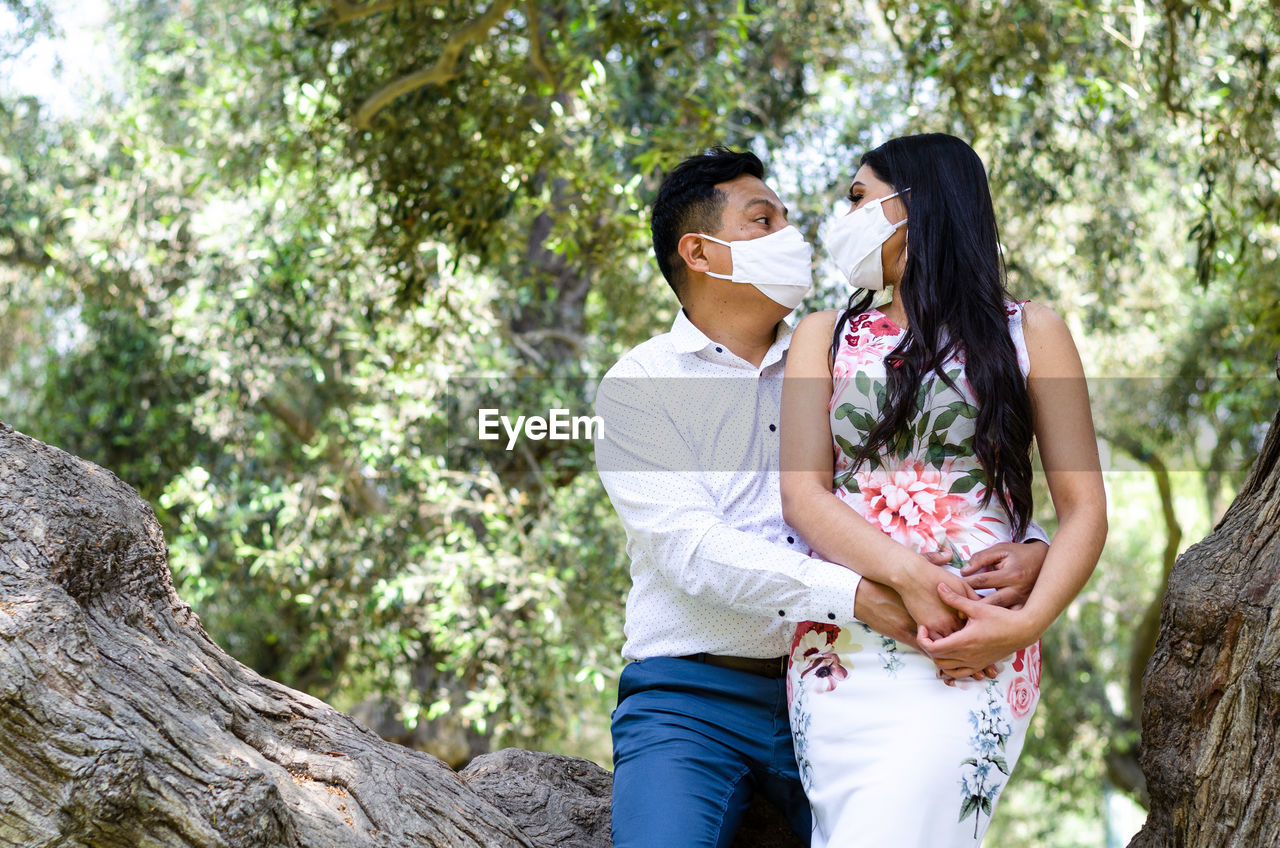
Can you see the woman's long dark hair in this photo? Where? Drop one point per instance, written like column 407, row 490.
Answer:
column 953, row 291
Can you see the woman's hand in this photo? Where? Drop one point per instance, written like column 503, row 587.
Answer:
column 1011, row 568
column 990, row 634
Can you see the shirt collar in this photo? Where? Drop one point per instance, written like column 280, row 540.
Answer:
column 686, row 338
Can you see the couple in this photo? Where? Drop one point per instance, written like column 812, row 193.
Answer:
column 808, row 552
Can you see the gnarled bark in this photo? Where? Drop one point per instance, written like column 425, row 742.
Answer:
column 123, row 724
column 1211, row 693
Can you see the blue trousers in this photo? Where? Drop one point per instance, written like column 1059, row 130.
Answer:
column 691, row 744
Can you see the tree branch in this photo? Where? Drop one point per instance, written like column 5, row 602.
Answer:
column 536, row 56
column 443, row 70
column 123, row 724
column 24, row 259
column 345, row 11
column 365, row 499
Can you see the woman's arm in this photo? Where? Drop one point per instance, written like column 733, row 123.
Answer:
column 830, row 526
column 1069, row 453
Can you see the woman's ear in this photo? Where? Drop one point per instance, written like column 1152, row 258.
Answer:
column 691, row 249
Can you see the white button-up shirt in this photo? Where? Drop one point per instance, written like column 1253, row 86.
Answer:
column 689, row 457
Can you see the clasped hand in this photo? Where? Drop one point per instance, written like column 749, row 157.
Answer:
column 978, row 631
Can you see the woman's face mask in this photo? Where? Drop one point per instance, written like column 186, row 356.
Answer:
column 853, row 242
column 778, row 264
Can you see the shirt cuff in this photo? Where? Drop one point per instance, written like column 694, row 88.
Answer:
column 832, row 598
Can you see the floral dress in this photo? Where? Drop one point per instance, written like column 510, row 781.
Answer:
column 889, row 754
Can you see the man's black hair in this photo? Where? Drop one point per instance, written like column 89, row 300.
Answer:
column 688, row 202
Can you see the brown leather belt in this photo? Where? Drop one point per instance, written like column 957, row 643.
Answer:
column 773, row 667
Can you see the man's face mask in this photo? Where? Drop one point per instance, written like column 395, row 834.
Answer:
column 777, row 264
column 853, row 242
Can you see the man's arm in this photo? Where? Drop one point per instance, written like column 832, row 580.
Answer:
column 658, row 488
column 881, row 609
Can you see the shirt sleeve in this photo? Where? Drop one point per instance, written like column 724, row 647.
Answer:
column 673, row 523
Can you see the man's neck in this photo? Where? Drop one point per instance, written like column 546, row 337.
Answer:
column 748, row 335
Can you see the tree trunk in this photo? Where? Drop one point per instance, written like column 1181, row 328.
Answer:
column 1211, row 693
column 123, row 724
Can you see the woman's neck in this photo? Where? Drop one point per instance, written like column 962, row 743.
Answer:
column 893, row 310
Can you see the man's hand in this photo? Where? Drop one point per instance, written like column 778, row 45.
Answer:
column 881, row 609
column 1011, row 568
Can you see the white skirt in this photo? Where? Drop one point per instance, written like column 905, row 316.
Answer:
column 888, row 753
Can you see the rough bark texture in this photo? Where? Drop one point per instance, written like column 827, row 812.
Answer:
column 123, row 724
column 1211, row 693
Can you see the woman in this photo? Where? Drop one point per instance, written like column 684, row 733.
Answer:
column 907, row 429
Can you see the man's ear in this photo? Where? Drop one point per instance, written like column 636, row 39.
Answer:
column 691, row 249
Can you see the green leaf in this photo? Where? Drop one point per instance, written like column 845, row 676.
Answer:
column 967, row 482
column 922, row 427
column 863, row 421
column 945, row 419
column 847, row 481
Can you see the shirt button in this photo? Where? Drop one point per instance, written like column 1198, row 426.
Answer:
column 773, row 428
column 791, row 540
column 719, row 349
column 831, row 616
column 782, row 612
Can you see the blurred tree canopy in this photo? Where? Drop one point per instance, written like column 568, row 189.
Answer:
column 270, row 270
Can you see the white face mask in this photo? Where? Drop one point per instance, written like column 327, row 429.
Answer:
column 778, row 264
column 853, row 242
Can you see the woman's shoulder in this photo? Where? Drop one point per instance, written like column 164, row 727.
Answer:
column 811, row 343
column 824, row 319
column 1030, row 310
column 1047, row 339
column 1036, row 318
column 815, row 329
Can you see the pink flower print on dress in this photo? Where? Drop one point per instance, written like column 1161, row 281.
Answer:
column 844, row 462
column 811, row 652
column 823, row 671
column 1027, row 661
column 882, row 326
column 913, row 504
column 1021, row 696
column 827, row 633
column 869, row 354
column 841, row 374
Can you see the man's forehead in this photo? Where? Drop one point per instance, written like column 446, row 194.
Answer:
column 747, row 191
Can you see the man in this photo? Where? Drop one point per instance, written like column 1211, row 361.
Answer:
column 689, row 457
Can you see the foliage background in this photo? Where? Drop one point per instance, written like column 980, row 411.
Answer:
column 264, row 260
